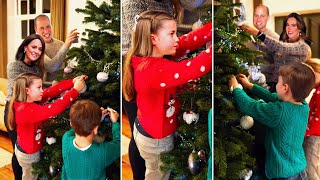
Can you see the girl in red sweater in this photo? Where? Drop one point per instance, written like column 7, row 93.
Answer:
column 312, row 138
column 153, row 80
column 27, row 116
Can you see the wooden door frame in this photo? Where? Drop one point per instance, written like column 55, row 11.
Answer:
column 3, row 39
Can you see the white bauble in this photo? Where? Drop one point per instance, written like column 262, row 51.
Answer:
column 190, row 116
column 67, row 70
column 83, row 89
column 51, row 140
column 246, row 122
column 102, row 76
column 196, row 25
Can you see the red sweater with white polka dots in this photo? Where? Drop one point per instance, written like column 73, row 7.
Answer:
column 30, row 116
column 313, row 128
column 156, row 80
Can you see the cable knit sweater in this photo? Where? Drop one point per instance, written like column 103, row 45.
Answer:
column 284, row 53
column 156, row 80
column 55, row 54
column 130, row 8
column 92, row 162
column 14, row 69
column 286, row 125
column 266, row 69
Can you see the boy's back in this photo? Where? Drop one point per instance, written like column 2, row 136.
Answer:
column 90, row 163
column 286, row 125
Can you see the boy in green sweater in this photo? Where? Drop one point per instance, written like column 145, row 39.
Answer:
column 285, row 114
column 84, row 158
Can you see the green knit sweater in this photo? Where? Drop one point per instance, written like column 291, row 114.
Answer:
column 90, row 164
column 286, row 125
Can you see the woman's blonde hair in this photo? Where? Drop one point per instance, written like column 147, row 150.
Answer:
column 147, row 23
column 314, row 63
column 19, row 94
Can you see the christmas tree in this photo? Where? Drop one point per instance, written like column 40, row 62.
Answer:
column 99, row 58
column 232, row 143
column 188, row 159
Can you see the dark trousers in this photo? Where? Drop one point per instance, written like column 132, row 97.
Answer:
column 17, row 169
column 137, row 162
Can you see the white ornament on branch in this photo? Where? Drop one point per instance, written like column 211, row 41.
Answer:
column 67, row 70
column 189, row 116
column 102, row 76
column 51, row 140
column 246, row 122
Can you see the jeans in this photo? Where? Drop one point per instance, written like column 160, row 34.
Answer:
column 25, row 161
column 300, row 176
column 311, row 147
column 150, row 150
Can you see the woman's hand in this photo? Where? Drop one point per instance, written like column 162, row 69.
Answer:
column 79, row 84
column 84, row 77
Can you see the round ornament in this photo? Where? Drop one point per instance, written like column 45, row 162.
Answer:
column 246, row 122
column 53, row 170
column 102, row 76
column 193, row 163
column 67, row 70
column 51, row 140
column 189, row 117
column 197, row 24
column 83, row 89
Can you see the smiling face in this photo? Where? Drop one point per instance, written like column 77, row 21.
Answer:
column 43, row 28
column 165, row 40
column 33, row 51
column 292, row 30
column 34, row 91
column 260, row 18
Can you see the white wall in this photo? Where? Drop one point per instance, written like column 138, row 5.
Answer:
column 74, row 19
column 283, row 8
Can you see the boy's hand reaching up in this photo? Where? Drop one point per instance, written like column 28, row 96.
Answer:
column 114, row 115
column 233, row 82
column 244, row 81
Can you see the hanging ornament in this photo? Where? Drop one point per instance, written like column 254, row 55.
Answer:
column 51, row 140
column 245, row 174
column 246, row 122
column 197, row 24
column 191, row 4
column 194, row 163
column 83, row 89
column 241, row 12
column 202, row 155
column 53, row 170
column 102, row 76
column 67, row 70
column 54, row 82
column 189, row 117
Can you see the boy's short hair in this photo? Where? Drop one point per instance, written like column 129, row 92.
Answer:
column 85, row 115
column 300, row 79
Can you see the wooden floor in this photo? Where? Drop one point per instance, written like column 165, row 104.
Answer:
column 6, row 172
column 126, row 135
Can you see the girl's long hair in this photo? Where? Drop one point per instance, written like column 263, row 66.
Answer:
column 148, row 22
column 19, row 94
column 20, row 55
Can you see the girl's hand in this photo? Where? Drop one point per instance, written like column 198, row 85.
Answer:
column 79, row 84
column 114, row 115
column 244, row 81
column 84, row 77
